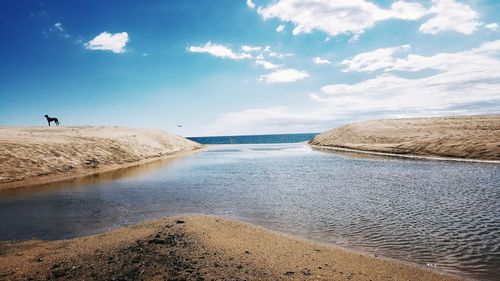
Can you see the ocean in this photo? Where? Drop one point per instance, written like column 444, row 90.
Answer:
column 255, row 139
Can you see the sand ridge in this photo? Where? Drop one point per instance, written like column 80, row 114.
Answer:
column 196, row 248
column 38, row 155
column 469, row 137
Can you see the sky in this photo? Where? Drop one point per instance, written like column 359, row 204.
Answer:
column 228, row 67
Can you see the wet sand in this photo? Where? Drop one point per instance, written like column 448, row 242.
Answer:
column 196, row 248
column 41, row 155
column 463, row 137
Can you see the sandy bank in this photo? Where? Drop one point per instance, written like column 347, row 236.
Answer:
column 469, row 137
column 196, row 248
column 32, row 156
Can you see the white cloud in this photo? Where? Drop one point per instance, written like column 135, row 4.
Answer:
column 464, row 80
column 279, row 55
column 250, row 4
column 338, row 16
column 280, row 28
column 218, row 50
column 373, row 60
column 474, row 59
column 59, row 26
column 284, row 76
column 247, row 48
column 491, row 26
column 265, row 64
column 318, row 60
column 278, row 119
column 58, row 29
column 407, row 10
column 450, row 15
column 260, row 54
column 267, row 50
column 109, row 42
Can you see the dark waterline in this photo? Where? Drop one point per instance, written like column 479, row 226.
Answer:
column 438, row 214
column 255, row 139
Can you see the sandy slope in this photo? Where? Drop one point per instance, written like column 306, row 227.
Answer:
column 472, row 137
column 38, row 155
column 196, row 248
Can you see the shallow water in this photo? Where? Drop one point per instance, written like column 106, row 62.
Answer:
column 439, row 214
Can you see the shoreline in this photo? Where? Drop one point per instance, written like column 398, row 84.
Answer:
column 334, row 246
column 64, row 178
column 397, row 155
column 194, row 246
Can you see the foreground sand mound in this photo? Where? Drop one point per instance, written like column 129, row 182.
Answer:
column 473, row 137
column 196, row 248
column 33, row 155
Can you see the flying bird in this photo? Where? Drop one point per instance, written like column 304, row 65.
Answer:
column 180, row 126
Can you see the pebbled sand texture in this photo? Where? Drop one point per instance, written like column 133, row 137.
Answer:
column 197, row 248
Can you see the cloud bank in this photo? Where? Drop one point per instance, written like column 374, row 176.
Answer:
column 459, row 83
column 453, row 80
column 336, row 17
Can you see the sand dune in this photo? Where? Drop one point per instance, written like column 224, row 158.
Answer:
column 196, row 248
column 37, row 155
column 471, row 137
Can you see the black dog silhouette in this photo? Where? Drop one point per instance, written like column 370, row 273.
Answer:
column 50, row 119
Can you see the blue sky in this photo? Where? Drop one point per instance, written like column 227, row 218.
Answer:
column 246, row 67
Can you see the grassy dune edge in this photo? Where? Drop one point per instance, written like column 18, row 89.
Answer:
column 37, row 155
column 196, row 248
column 463, row 137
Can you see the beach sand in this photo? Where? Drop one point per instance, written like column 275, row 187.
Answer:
column 196, row 248
column 469, row 137
column 39, row 155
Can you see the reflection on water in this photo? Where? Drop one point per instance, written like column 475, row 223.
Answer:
column 429, row 212
column 95, row 179
column 360, row 155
